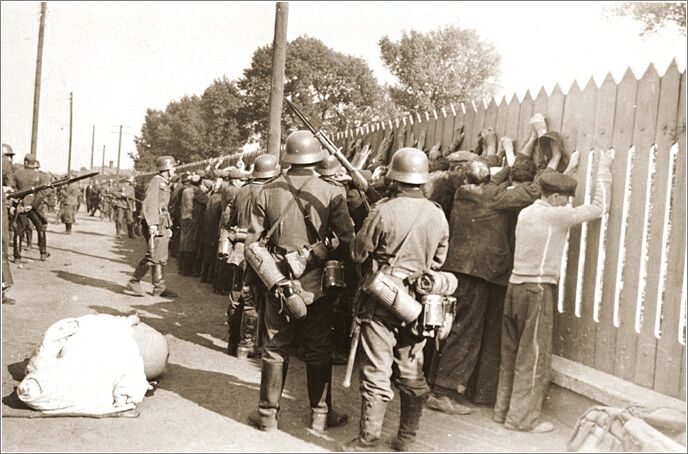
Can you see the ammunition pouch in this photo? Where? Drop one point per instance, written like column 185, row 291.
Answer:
column 333, row 278
column 306, row 258
column 437, row 316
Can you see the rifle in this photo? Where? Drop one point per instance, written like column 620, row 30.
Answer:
column 358, row 179
column 54, row 184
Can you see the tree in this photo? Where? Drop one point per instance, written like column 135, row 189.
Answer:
column 652, row 15
column 221, row 107
column 334, row 90
column 439, row 67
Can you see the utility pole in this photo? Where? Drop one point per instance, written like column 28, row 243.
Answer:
column 93, row 141
column 102, row 166
column 119, row 148
column 69, row 155
column 37, row 84
column 279, row 59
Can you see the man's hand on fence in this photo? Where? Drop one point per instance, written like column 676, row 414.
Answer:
column 573, row 164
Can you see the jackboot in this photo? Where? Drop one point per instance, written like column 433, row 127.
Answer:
column 272, row 377
column 134, row 283
column 117, row 228
column 159, row 288
column 68, row 228
column 372, row 415
column 249, row 324
column 234, row 313
column 130, row 231
column 29, row 238
column 43, row 244
column 409, row 420
column 319, row 382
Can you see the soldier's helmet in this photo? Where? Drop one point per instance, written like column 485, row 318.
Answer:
column 7, row 150
column 303, row 148
column 30, row 161
column 165, row 163
column 409, row 165
column 328, row 166
column 131, row 179
column 265, row 166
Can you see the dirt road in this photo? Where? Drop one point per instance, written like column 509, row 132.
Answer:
column 205, row 397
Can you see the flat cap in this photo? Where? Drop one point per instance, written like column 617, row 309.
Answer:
column 461, row 156
column 552, row 182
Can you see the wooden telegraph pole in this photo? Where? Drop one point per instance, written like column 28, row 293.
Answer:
column 93, row 141
column 37, row 84
column 119, row 148
column 69, row 154
column 102, row 165
column 279, row 59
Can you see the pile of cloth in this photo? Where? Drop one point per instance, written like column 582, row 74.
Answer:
column 86, row 365
column 437, row 283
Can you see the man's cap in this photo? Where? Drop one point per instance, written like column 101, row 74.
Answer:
column 195, row 178
column 207, row 183
column 201, row 173
column 552, row 182
column 461, row 156
column 221, row 173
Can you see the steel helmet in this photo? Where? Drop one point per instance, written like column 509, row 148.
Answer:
column 328, row 166
column 409, row 165
column 164, row 163
column 30, row 161
column 265, row 166
column 303, row 148
column 7, row 150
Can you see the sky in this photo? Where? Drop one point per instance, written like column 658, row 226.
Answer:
column 121, row 58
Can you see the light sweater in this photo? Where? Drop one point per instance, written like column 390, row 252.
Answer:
column 541, row 233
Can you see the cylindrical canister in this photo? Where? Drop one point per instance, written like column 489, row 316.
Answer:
column 225, row 247
column 262, row 262
column 394, row 296
column 433, row 310
column 333, row 276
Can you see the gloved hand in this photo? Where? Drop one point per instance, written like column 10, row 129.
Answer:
column 153, row 230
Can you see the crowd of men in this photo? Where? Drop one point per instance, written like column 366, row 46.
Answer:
column 309, row 253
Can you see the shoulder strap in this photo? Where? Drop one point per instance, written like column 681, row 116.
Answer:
column 306, row 215
column 284, row 212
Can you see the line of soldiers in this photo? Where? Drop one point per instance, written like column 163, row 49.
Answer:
column 117, row 200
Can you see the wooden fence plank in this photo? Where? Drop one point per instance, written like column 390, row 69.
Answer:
column 448, row 135
column 555, row 109
column 596, row 230
column 439, row 129
column 524, row 115
column 491, row 115
column 682, row 380
column 432, row 131
column 579, row 346
column 468, row 121
column 459, row 120
column 541, row 102
column 513, row 111
column 669, row 350
column 562, row 319
column 666, row 124
column 622, row 137
column 502, row 111
column 635, row 247
column 478, row 124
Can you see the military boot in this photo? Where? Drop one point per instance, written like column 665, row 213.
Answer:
column 249, row 323
column 134, row 283
column 130, row 231
column 319, row 381
column 68, row 228
column 272, row 377
column 409, row 419
column 372, row 415
column 43, row 244
column 159, row 287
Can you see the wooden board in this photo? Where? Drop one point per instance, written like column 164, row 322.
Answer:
column 669, row 359
column 448, row 133
column 491, row 115
column 622, row 137
column 478, row 124
column 459, row 120
column 431, row 130
column 562, row 321
column 524, row 115
column 579, row 345
column 555, row 109
column 501, row 119
column 468, row 121
column 540, row 104
column 513, row 110
column 643, row 137
column 666, row 124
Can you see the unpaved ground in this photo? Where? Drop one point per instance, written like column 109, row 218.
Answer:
column 206, row 395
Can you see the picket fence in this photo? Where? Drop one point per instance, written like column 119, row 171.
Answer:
column 622, row 295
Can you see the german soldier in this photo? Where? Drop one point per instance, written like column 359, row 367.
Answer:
column 27, row 178
column 156, row 230
column 69, row 196
column 403, row 236
column 124, row 206
column 298, row 210
column 8, row 184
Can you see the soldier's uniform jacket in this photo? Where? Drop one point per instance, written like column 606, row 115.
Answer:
column 156, row 202
column 325, row 204
column 389, row 221
column 124, row 196
column 8, row 173
column 186, row 202
column 243, row 204
column 27, row 179
column 70, row 194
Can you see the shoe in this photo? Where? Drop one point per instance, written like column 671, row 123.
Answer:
column 7, row 300
column 339, row 359
column 136, row 288
column 542, row 427
column 166, row 293
column 44, row 256
column 409, row 421
column 447, row 405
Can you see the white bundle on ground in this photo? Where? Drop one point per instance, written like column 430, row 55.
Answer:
column 86, row 365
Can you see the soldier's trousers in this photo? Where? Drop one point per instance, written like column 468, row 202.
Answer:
column 313, row 331
column 389, row 351
column 6, row 274
column 526, row 353
column 123, row 216
column 38, row 220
